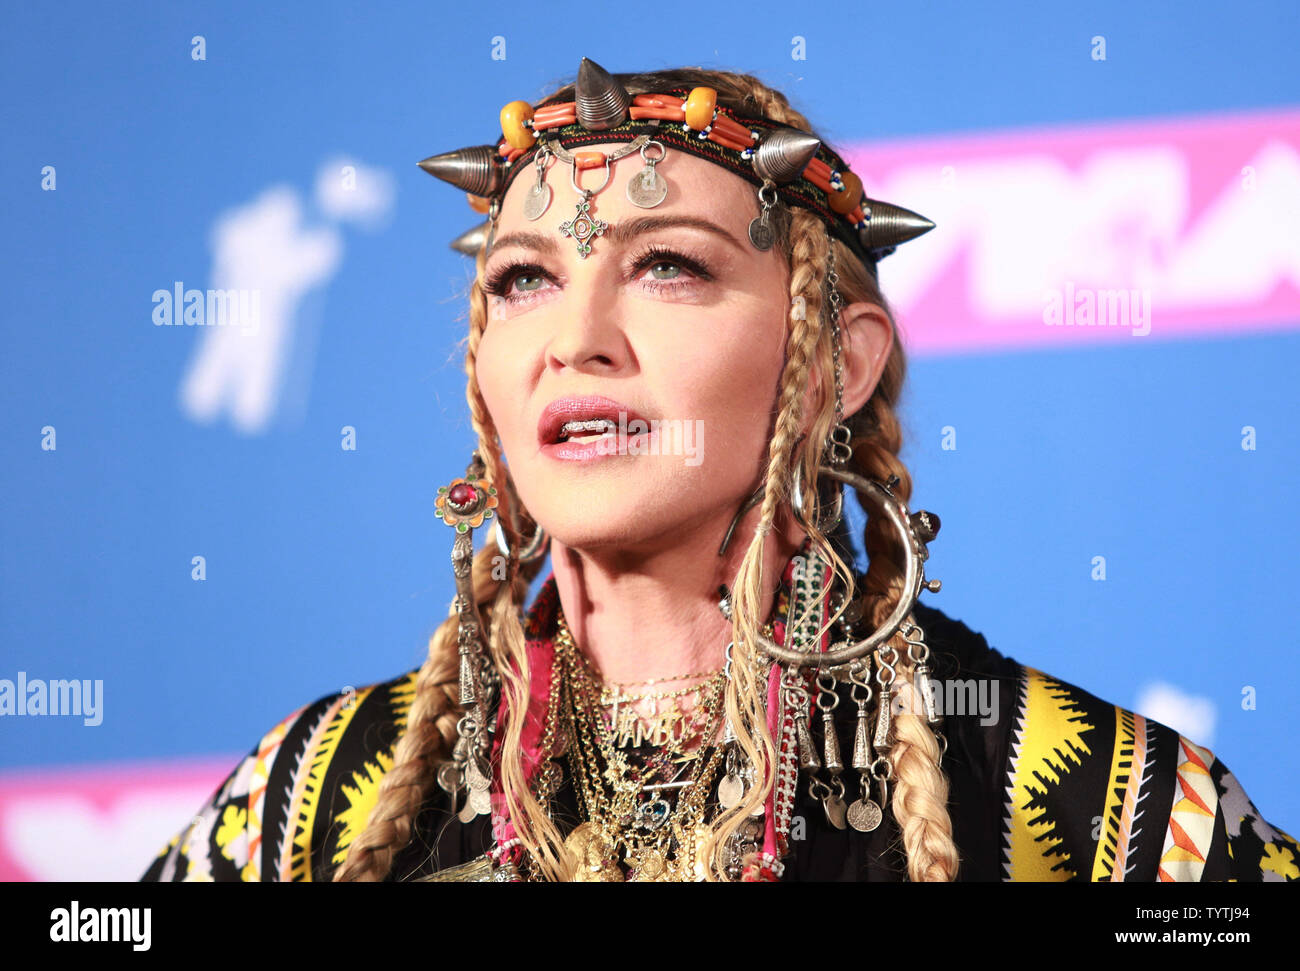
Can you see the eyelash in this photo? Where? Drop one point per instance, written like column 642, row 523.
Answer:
column 500, row 280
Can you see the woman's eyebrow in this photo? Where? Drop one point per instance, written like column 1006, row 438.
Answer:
column 619, row 234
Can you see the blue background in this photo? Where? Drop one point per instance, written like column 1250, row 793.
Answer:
column 326, row 568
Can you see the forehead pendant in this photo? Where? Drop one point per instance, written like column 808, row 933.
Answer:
column 584, row 226
column 787, row 164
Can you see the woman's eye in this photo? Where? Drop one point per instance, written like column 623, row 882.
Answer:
column 518, row 283
column 674, row 270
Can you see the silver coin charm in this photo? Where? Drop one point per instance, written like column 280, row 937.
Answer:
column 864, row 815
column 478, row 782
column 760, row 233
column 480, row 801
column 537, row 201
column 647, row 188
column 730, row 791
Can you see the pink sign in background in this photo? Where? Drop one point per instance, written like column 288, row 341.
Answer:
column 1197, row 217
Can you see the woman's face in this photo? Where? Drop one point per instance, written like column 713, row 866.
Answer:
column 674, row 317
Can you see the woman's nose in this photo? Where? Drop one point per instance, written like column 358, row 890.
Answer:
column 588, row 334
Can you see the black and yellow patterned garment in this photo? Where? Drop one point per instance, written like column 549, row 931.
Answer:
column 1049, row 783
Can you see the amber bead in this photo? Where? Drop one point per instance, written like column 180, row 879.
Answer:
column 847, row 199
column 699, row 106
column 513, row 117
column 478, row 203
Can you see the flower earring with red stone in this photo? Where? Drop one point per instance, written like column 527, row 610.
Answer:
column 466, row 502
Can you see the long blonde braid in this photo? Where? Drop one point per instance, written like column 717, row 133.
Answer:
column 435, row 709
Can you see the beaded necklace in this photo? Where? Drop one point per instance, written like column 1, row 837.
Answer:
column 546, row 738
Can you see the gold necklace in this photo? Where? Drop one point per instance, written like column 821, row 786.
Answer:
column 653, row 838
column 650, row 681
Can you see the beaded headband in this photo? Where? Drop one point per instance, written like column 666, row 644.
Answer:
column 784, row 162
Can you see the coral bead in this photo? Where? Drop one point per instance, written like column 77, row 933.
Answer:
column 588, row 160
column 513, row 116
column 699, row 107
column 845, row 201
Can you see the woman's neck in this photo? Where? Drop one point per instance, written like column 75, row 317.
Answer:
column 654, row 614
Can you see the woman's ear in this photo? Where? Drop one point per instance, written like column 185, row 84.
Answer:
column 866, row 338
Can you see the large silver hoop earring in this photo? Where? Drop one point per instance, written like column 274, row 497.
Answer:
column 534, row 549
column 828, row 521
column 915, row 531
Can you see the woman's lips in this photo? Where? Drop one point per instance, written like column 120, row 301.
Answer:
column 587, row 410
column 610, row 444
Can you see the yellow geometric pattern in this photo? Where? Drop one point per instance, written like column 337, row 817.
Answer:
column 1135, row 738
column 364, row 792
column 401, row 695
column 1117, row 779
column 295, row 862
column 361, row 800
column 1046, row 743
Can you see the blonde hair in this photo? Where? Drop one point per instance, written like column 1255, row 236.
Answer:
column 920, row 789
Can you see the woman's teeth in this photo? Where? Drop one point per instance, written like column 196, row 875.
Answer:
column 586, row 431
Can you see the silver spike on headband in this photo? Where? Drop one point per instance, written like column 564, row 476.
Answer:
column 782, row 161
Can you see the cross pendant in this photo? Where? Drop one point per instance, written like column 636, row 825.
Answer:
column 583, row 226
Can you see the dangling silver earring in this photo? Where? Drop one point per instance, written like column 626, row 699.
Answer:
column 464, row 504
column 838, row 449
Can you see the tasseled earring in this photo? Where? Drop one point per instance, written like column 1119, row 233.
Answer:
column 464, row 504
